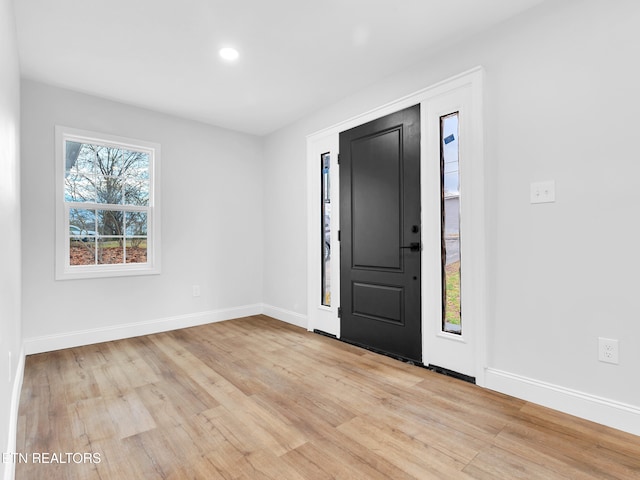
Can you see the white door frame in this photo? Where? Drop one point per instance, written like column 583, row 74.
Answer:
column 464, row 93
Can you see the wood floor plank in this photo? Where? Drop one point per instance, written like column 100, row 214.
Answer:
column 558, row 455
column 457, row 444
column 90, row 419
column 343, row 458
column 129, row 414
column 407, row 453
column 580, row 429
column 259, row 465
column 494, row 463
column 255, row 398
column 169, row 403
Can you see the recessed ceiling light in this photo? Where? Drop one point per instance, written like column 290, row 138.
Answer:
column 229, row 54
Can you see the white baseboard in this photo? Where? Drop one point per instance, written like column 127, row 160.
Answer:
column 607, row 412
column 47, row 343
column 10, row 467
column 287, row 316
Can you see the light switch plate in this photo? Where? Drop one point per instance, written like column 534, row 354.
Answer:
column 543, row 192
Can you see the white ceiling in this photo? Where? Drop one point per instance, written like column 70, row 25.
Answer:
column 296, row 55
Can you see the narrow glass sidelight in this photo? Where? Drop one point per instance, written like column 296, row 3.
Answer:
column 450, row 214
column 325, row 216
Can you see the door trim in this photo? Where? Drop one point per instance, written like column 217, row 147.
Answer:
column 326, row 318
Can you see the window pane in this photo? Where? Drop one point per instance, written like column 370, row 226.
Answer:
column 79, row 177
column 110, row 250
column 79, row 188
column 136, row 223
column 450, row 187
column 136, row 251
column 82, row 222
column 109, row 190
column 136, row 164
column 79, row 159
column 82, row 251
column 136, row 192
column 136, row 170
column 108, row 160
column 111, row 223
column 325, row 202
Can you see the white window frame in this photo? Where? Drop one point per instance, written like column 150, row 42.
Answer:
column 65, row 271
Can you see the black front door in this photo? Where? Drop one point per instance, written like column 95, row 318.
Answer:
column 380, row 234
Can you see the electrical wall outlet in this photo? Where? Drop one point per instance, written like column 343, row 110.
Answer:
column 543, row 192
column 608, row 350
column 196, row 290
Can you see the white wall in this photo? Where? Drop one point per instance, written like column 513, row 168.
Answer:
column 10, row 336
column 562, row 104
column 211, row 187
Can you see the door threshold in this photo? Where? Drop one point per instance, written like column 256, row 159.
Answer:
column 324, row 334
column 451, row 373
column 433, row 368
column 395, row 356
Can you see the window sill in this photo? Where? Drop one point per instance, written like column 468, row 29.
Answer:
column 105, row 271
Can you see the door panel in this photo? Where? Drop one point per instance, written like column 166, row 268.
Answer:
column 379, row 216
column 378, row 302
column 376, row 206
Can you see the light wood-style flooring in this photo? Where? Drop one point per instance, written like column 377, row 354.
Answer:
column 256, row 398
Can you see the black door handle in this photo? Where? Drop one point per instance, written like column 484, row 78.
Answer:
column 413, row 246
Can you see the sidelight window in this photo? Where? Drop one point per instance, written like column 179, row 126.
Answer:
column 450, row 214
column 325, row 215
